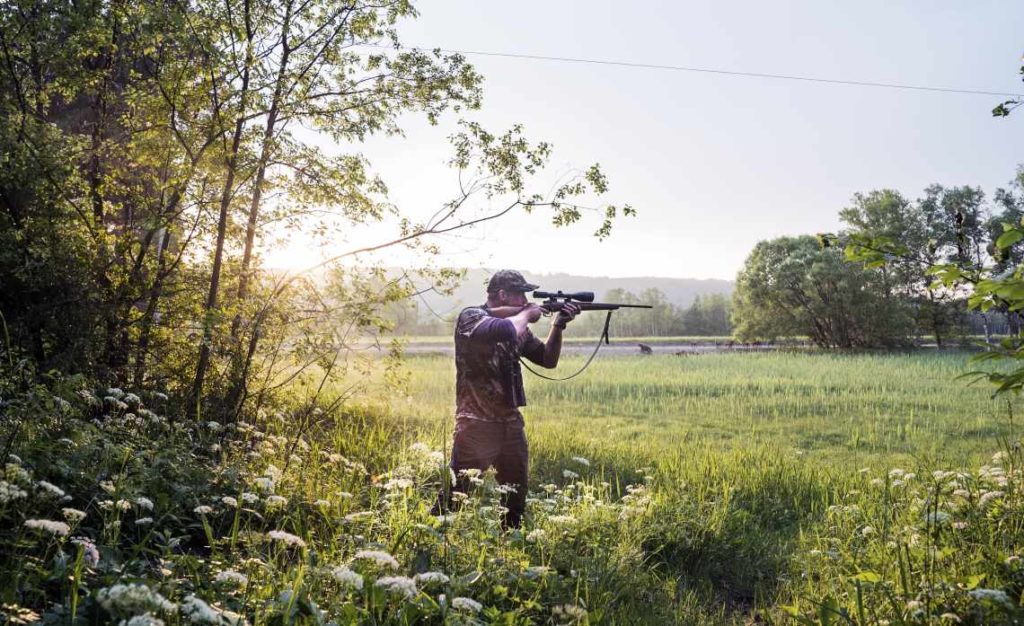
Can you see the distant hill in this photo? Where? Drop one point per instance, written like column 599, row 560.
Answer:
column 679, row 291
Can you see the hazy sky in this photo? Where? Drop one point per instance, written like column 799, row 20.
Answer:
column 714, row 163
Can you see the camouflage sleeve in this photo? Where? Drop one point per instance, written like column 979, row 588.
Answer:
column 482, row 328
column 533, row 348
column 468, row 320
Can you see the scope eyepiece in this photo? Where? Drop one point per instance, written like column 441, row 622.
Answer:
column 579, row 296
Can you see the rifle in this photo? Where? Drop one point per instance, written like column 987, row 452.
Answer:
column 554, row 301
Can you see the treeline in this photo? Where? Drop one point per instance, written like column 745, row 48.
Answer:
column 707, row 315
column 811, row 286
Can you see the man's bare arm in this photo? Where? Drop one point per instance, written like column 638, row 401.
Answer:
column 553, row 346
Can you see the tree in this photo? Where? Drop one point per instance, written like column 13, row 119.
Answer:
column 145, row 150
column 791, row 286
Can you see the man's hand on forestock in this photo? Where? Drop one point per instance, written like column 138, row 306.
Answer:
column 566, row 314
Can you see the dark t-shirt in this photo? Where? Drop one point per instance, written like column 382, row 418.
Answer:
column 488, row 378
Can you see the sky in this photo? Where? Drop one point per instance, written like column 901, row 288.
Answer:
column 711, row 163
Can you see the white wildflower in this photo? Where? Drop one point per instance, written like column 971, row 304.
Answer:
column 123, row 504
column 322, row 503
column 582, row 461
column 203, row 509
column 937, row 517
column 466, row 604
column 134, row 598
column 73, row 515
column 347, row 578
column 991, row 595
column 142, row 521
column 574, row 614
column 274, row 502
column 286, row 538
column 144, row 503
column 232, row 577
column 536, row 571
column 9, row 492
column 196, row 611
column 214, row 426
column 107, row 486
column 265, row 483
column 115, row 391
column 431, row 578
column 344, row 495
column 896, row 472
column 397, row 484
column 132, row 399
column 571, row 475
column 536, row 535
column 400, row 585
column 231, row 502
column 963, row 493
column 50, row 526
column 867, row 531
column 988, row 496
column 562, row 520
column 50, row 489
column 381, row 558
column 250, row 498
column 145, row 619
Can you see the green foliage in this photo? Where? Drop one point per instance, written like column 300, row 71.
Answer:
column 147, row 150
column 792, row 286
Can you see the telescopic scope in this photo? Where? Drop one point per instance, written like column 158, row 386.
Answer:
column 579, row 296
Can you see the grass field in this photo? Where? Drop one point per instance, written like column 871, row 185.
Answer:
column 852, row 410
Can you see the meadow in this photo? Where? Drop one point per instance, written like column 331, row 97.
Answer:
column 847, row 410
column 720, row 489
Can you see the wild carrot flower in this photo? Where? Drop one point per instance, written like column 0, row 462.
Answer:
column 73, row 515
column 347, row 578
column 381, row 558
column 231, row 576
column 50, row 489
column 400, row 585
column 286, row 538
column 134, row 598
column 54, row 528
column 466, row 604
column 430, row 578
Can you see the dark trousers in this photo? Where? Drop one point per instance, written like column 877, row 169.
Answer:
column 479, row 445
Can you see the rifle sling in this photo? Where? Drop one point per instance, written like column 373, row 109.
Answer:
column 603, row 337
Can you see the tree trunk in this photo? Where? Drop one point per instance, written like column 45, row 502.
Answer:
column 222, row 222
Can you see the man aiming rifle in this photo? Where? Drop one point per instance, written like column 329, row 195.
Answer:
column 489, row 341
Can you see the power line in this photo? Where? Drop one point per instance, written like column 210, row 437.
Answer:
column 706, row 70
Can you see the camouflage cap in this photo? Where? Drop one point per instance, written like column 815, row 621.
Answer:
column 509, row 280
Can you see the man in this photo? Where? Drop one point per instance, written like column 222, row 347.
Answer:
column 489, row 340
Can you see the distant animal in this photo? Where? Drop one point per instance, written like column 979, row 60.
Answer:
column 645, row 349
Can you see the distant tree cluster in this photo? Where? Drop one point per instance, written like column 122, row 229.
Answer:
column 819, row 288
column 707, row 315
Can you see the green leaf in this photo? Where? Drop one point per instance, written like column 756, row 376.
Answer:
column 973, row 581
column 868, row 577
column 1009, row 238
